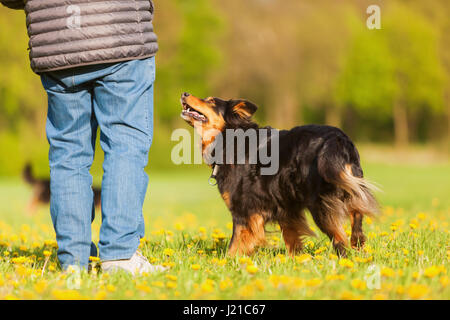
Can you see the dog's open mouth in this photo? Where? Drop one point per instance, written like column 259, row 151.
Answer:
column 189, row 113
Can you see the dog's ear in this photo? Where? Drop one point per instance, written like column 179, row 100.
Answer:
column 243, row 108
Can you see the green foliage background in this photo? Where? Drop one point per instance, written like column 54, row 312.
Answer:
column 300, row 61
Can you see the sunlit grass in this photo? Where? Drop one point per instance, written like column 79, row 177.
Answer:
column 188, row 229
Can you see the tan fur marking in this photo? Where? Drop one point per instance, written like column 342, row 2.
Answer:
column 293, row 231
column 226, row 198
column 292, row 240
column 241, row 111
column 215, row 122
column 247, row 238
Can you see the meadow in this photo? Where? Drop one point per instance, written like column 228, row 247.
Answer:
column 406, row 256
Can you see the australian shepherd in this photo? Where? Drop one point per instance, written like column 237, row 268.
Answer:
column 319, row 170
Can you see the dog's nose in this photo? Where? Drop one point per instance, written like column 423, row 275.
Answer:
column 185, row 95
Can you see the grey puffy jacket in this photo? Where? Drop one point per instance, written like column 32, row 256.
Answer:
column 70, row 33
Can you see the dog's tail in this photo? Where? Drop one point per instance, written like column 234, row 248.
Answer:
column 27, row 174
column 361, row 198
column 341, row 168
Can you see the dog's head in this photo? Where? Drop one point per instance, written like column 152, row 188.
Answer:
column 214, row 113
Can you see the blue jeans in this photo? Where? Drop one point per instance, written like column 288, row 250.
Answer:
column 118, row 98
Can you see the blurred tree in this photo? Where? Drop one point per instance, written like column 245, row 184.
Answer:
column 367, row 82
column 395, row 69
column 413, row 43
column 299, row 60
column 189, row 33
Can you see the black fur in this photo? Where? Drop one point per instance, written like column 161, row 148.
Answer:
column 319, row 170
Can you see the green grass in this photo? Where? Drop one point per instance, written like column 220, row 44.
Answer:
column 408, row 247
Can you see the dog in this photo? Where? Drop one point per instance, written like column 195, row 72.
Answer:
column 319, row 170
column 41, row 190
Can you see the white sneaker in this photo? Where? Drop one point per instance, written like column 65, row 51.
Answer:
column 137, row 264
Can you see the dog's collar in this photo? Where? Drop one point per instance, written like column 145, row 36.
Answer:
column 212, row 178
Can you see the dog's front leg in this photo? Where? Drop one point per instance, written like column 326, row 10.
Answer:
column 247, row 235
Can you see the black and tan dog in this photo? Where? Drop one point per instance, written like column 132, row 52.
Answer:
column 319, row 170
column 41, row 190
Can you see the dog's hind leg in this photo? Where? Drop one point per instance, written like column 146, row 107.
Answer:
column 32, row 206
column 357, row 238
column 293, row 231
column 329, row 218
column 246, row 237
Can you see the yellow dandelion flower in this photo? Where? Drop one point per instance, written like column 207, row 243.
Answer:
column 417, row 291
column 143, row 287
column 444, row 280
column 40, row 286
column 421, row 216
column 379, row 296
column 221, row 262
column 21, row 271
column 387, row 272
column 431, row 272
column 179, row 226
column 358, row 284
column 245, row 260
column 320, row 250
column 309, row 244
column 371, row 235
column 195, row 267
column 347, row 295
column 313, row 282
column 20, row 260
column 10, row 297
column 168, row 252
column 171, row 284
column 246, row 291
column 346, row 263
column 100, row 295
column 66, row 294
column 171, row 277
column 303, row 258
column 252, row 269
column 207, row 286
column 225, row 284
column 111, row 288
column 158, row 284
column 331, row 277
column 400, row 289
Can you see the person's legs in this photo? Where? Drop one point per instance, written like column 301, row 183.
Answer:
column 123, row 104
column 71, row 130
